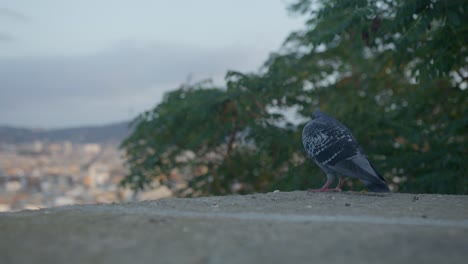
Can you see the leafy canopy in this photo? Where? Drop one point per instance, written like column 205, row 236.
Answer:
column 395, row 72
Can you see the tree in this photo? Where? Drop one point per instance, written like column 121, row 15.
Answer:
column 393, row 71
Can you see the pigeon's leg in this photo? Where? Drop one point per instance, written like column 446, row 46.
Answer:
column 324, row 188
column 340, row 183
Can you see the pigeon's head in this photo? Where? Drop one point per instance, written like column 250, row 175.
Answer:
column 317, row 114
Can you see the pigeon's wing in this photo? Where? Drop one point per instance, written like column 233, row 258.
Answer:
column 359, row 167
column 329, row 143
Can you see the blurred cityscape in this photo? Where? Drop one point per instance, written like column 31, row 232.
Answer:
column 45, row 173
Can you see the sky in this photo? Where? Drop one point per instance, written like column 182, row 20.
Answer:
column 74, row 63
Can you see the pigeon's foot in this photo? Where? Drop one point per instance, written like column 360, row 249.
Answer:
column 324, row 190
column 325, row 187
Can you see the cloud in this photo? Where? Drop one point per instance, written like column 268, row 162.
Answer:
column 104, row 87
column 13, row 15
column 5, row 37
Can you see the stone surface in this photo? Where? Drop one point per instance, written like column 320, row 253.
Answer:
column 292, row 227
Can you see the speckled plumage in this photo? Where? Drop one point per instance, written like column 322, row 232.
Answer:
column 334, row 149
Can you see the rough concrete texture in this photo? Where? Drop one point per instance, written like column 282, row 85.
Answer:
column 293, row 227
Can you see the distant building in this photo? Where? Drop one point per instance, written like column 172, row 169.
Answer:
column 92, row 148
column 13, row 186
column 38, row 146
column 4, row 207
column 67, row 147
column 98, row 175
column 155, row 194
column 63, row 200
column 55, row 148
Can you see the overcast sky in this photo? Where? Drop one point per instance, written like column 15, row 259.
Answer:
column 88, row 62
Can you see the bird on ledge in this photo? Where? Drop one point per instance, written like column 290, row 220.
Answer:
column 335, row 150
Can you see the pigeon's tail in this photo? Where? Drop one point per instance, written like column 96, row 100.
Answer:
column 360, row 167
column 378, row 187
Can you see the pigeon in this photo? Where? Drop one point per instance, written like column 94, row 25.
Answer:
column 335, row 150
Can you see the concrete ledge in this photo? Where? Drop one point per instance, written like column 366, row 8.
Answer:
column 293, row 227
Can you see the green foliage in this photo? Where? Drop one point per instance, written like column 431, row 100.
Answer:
column 393, row 71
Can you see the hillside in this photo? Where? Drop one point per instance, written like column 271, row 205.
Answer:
column 97, row 134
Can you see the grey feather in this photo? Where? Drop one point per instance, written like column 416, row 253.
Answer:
column 335, row 150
